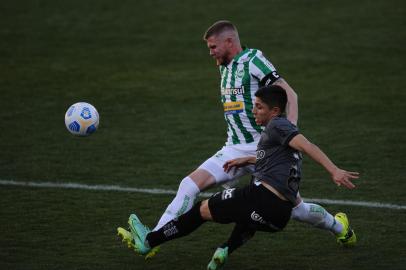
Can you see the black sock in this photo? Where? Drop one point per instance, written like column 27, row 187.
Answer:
column 240, row 234
column 178, row 227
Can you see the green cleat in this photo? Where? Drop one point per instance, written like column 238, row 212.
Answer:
column 139, row 233
column 347, row 237
column 219, row 259
column 128, row 238
column 134, row 240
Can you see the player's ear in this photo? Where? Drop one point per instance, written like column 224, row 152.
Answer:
column 275, row 111
column 229, row 41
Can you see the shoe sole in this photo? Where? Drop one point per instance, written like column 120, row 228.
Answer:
column 126, row 237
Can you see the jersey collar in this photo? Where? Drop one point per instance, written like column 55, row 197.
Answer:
column 238, row 57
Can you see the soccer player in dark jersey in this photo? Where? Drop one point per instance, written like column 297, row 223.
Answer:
column 265, row 204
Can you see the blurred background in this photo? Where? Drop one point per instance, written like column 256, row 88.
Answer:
column 144, row 66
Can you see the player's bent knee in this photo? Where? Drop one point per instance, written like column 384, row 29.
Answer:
column 205, row 210
column 300, row 211
column 202, row 178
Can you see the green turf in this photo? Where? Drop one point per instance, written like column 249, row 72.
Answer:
column 145, row 68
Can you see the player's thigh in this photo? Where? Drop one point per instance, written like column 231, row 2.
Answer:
column 214, row 165
column 253, row 205
column 230, row 205
column 271, row 212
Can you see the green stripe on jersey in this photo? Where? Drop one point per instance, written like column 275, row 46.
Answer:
column 261, row 66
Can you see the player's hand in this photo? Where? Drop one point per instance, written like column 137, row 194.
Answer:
column 343, row 177
column 237, row 163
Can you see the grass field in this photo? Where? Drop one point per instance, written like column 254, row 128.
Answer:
column 145, row 68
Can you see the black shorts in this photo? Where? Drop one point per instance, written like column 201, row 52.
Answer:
column 253, row 205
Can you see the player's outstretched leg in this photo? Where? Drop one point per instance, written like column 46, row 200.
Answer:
column 183, row 202
column 347, row 237
column 219, row 259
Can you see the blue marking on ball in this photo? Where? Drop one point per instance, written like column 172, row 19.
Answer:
column 86, row 114
column 70, row 111
column 90, row 129
column 74, row 126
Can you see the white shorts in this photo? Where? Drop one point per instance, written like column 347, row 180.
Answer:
column 214, row 165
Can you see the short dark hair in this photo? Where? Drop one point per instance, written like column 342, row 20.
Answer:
column 218, row 28
column 273, row 96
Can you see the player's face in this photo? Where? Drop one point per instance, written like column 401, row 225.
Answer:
column 262, row 113
column 219, row 49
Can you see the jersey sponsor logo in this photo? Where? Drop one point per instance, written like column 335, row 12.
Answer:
column 233, row 107
column 260, row 154
column 232, row 91
column 227, row 194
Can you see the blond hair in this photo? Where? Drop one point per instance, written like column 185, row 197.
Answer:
column 221, row 27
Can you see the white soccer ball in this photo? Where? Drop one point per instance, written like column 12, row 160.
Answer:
column 82, row 119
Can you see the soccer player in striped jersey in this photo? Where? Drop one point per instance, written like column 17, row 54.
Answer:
column 243, row 71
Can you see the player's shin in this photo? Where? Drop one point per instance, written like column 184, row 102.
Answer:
column 182, row 202
column 240, row 234
column 178, row 227
column 316, row 216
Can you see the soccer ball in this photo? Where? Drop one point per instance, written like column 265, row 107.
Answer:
column 82, row 119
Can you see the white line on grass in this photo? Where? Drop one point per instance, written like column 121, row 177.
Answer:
column 172, row 192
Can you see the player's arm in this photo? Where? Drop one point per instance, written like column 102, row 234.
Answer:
column 339, row 176
column 238, row 162
column 269, row 76
column 292, row 108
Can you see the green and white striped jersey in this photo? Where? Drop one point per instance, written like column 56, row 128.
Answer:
column 240, row 79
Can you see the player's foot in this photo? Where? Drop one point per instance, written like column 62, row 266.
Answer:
column 219, row 259
column 139, row 233
column 128, row 238
column 347, row 237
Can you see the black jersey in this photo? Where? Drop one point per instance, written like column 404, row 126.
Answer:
column 277, row 163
